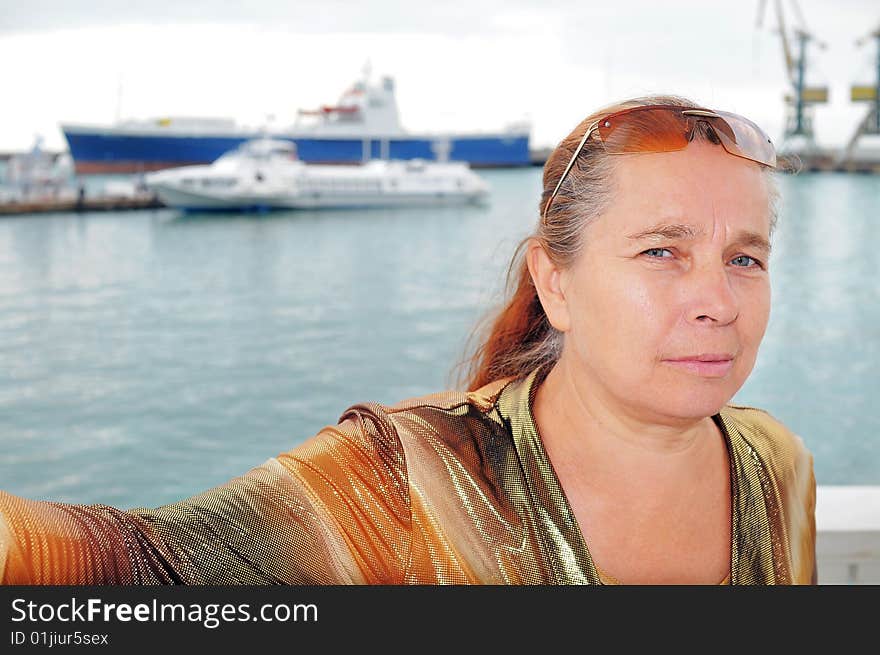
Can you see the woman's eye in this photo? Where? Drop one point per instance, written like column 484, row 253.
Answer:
column 658, row 253
column 743, row 261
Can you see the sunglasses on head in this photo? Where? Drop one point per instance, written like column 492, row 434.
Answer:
column 665, row 128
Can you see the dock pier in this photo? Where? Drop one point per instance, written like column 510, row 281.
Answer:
column 44, row 205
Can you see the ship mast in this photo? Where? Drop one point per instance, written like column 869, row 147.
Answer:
column 119, row 99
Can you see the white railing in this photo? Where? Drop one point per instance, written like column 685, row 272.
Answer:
column 848, row 534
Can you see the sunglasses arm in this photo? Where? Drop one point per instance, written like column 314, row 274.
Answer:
column 574, row 157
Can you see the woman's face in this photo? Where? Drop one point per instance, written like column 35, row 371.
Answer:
column 669, row 298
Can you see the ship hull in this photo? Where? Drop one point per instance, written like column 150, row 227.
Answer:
column 107, row 151
column 196, row 202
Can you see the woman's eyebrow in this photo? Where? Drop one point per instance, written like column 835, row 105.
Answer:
column 670, row 231
column 667, row 231
column 753, row 240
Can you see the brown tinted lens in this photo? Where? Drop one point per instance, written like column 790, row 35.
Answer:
column 719, row 126
column 648, row 129
column 741, row 137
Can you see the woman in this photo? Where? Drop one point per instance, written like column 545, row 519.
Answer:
column 595, row 444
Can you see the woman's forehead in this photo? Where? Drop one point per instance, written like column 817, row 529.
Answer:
column 699, row 190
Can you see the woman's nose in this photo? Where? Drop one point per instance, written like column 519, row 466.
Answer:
column 710, row 296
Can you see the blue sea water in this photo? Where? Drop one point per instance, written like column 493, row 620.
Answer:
column 149, row 355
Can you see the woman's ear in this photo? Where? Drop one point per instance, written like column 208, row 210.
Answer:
column 548, row 280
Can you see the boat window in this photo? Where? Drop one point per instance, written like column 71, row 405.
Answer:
column 216, row 182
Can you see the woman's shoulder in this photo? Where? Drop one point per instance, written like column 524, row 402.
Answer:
column 368, row 432
column 777, row 461
column 775, row 443
column 762, row 426
column 482, row 399
column 440, row 413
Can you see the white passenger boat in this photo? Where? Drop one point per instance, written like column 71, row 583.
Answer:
column 266, row 174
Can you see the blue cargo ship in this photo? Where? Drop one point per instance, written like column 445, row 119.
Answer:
column 363, row 125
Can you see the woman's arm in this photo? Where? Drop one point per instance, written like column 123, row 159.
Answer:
column 334, row 510
column 56, row 543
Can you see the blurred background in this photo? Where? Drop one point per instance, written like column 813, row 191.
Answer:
column 148, row 353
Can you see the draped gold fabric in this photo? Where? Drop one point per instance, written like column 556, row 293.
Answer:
column 450, row 488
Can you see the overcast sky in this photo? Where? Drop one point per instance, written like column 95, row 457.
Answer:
column 473, row 65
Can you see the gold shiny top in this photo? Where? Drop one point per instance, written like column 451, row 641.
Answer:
column 450, row 488
column 608, row 579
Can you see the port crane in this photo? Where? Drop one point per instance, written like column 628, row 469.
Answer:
column 870, row 124
column 800, row 100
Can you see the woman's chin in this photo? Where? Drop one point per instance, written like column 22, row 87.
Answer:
column 695, row 405
column 688, row 395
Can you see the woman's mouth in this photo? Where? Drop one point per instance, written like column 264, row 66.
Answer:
column 710, row 365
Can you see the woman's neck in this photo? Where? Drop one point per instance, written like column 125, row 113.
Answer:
column 585, row 429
